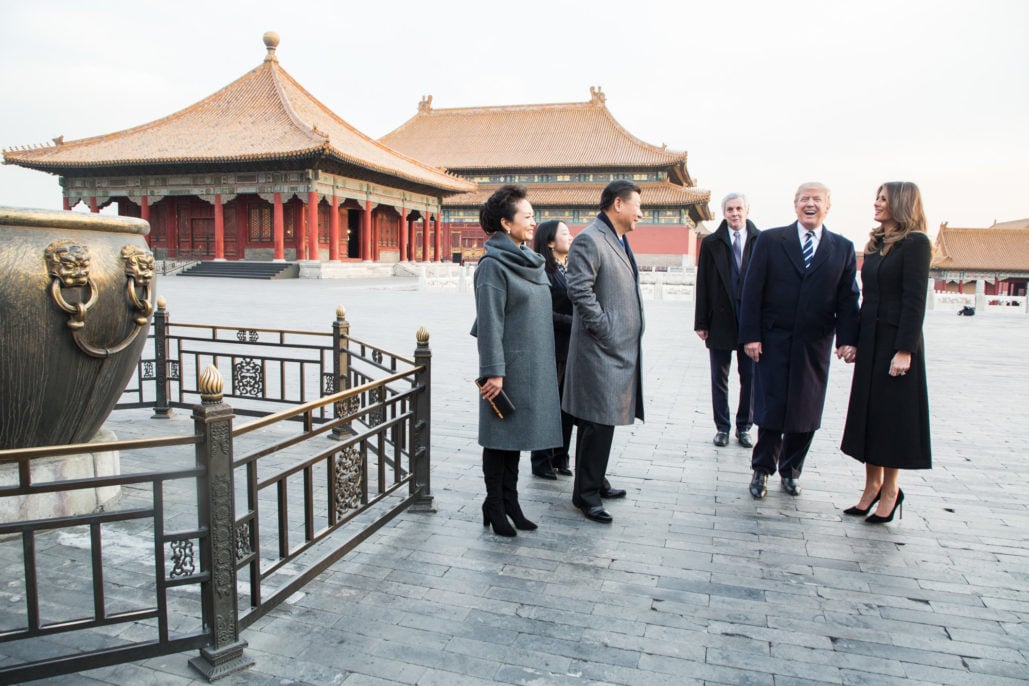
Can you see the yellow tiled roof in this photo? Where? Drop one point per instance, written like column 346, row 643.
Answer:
column 653, row 195
column 991, row 249
column 567, row 135
column 263, row 115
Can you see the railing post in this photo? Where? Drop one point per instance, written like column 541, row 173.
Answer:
column 212, row 422
column 340, row 368
column 422, row 425
column 161, row 408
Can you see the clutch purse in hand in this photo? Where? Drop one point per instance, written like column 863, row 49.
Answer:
column 501, row 404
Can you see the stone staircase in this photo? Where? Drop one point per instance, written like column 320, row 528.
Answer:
column 243, row 270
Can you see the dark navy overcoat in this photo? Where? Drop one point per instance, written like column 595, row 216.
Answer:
column 795, row 312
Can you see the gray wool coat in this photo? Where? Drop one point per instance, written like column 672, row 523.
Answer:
column 603, row 377
column 515, row 332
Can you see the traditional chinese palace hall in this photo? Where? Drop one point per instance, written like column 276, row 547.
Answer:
column 565, row 154
column 262, row 170
column 997, row 255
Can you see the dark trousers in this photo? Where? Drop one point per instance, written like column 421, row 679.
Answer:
column 721, row 360
column 552, row 458
column 592, row 450
column 782, row 451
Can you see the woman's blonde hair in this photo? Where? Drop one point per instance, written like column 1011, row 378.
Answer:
column 904, row 202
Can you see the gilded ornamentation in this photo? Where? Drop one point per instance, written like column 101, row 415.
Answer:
column 247, row 379
column 68, row 263
column 328, row 384
column 139, row 272
column 347, row 472
column 68, row 266
column 183, row 559
column 210, row 385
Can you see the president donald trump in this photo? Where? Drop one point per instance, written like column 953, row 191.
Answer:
column 799, row 292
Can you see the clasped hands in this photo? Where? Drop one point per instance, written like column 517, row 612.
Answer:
column 847, row 353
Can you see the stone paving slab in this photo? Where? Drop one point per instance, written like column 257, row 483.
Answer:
column 694, row 582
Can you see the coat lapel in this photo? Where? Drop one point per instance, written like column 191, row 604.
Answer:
column 722, row 261
column 792, row 246
column 615, row 244
column 826, row 248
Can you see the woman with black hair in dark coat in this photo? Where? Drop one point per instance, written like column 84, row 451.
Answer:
column 888, row 418
column 553, row 239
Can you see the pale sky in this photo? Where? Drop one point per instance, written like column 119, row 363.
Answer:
column 762, row 95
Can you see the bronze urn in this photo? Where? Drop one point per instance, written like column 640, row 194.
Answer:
column 76, row 295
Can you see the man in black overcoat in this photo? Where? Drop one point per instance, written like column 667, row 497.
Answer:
column 724, row 256
column 798, row 292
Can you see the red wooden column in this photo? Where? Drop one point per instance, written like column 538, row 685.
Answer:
column 403, row 235
column 334, row 230
column 278, row 229
column 67, row 203
column 219, row 228
column 144, row 208
column 312, row 225
column 425, row 237
column 366, row 231
column 438, row 254
column 92, row 205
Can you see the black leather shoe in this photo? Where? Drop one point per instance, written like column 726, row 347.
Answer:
column 744, row 438
column 790, row 485
column 564, row 471
column 545, row 475
column 612, row 493
column 722, row 439
column 759, row 484
column 597, row 514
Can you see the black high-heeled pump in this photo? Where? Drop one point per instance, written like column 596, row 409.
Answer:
column 861, row 512
column 876, row 519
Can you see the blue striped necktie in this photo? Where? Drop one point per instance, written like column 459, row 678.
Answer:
column 809, row 248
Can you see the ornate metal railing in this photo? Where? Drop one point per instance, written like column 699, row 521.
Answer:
column 312, row 481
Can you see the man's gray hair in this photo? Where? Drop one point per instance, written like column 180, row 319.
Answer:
column 733, row 196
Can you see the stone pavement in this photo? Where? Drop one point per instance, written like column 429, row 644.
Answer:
column 694, row 582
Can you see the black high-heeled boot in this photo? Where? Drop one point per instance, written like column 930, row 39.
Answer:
column 493, row 507
column 876, row 519
column 511, row 506
column 861, row 512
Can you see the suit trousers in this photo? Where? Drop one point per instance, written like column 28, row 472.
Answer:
column 783, row 450
column 592, row 450
column 721, row 361
column 552, row 458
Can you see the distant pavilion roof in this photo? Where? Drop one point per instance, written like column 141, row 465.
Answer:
column 565, row 136
column 653, row 194
column 1001, row 247
column 264, row 116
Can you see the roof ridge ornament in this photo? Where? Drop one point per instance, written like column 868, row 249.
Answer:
column 597, row 96
column 425, row 106
column 271, row 41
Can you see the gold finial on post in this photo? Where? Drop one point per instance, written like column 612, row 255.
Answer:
column 422, row 336
column 162, row 304
column 210, row 384
column 341, row 312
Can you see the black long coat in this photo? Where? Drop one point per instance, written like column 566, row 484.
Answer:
column 562, row 313
column 794, row 312
column 888, row 417
column 715, row 310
